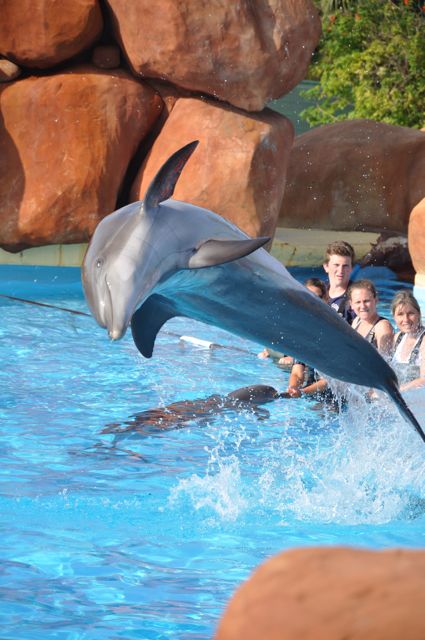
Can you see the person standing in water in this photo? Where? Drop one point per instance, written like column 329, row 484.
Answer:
column 338, row 264
column 409, row 342
column 368, row 323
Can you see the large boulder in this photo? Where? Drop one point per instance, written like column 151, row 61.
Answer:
column 238, row 169
column 42, row 33
column 357, row 175
column 331, row 593
column 242, row 52
column 66, row 142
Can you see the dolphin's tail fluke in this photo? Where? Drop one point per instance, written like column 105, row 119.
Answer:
column 393, row 391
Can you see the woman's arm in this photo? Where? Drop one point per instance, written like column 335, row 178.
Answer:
column 316, row 387
column 296, row 380
column 384, row 334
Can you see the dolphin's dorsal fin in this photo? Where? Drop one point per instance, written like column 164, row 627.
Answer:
column 162, row 186
column 214, row 252
column 148, row 320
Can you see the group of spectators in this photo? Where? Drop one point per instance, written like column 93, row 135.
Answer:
column 357, row 302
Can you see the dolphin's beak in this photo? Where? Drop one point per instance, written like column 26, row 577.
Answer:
column 115, row 316
column 115, row 334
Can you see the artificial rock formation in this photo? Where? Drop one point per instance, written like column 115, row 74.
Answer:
column 73, row 139
column 241, row 52
column 331, row 593
column 66, row 142
column 238, row 169
column 41, row 33
column 357, row 175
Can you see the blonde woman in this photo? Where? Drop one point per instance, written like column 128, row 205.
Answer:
column 409, row 342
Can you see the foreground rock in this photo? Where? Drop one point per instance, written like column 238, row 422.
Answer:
column 242, row 52
column 66, row 143
column 238, row 169
column 331, row 593
column 42, row 33
column 357, row 175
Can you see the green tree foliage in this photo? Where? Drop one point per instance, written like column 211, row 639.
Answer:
column 370, row 63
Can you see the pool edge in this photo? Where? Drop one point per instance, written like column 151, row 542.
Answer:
column 292, row 247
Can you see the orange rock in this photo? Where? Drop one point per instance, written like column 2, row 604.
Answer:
column 331, row 593
column 242, row 52
column 42, row 33
column 66, row 143
column 354, row 175
column 238, row 169
column 416, row 237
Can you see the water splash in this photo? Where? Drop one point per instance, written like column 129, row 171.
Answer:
column 363, row 466
column 220, row 492
column 371, row 473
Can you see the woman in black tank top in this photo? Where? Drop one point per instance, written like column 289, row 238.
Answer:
column 368, row 323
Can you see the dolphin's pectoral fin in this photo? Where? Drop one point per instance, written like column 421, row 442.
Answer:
column 148, row 320
column 214, row 252
column 162, row 186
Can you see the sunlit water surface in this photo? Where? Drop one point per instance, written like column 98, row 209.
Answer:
column 126, row 534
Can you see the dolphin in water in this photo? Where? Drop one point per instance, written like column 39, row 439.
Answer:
column 178, row 414
column 159, row 258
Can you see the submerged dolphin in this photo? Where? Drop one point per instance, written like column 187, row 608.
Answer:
column 146, row 264
column 177, row 414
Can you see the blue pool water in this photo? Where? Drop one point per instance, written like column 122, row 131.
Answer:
column 112, row 532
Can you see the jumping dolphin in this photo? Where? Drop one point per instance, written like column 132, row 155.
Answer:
column 159, row 258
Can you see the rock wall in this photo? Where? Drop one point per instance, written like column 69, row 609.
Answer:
column 94, row 95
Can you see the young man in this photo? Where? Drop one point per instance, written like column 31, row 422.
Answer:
column 338, row 265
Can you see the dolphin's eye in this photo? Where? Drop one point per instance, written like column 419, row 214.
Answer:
column 99, row 263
